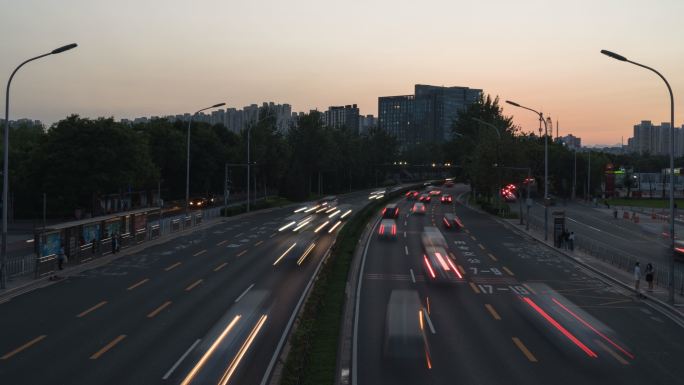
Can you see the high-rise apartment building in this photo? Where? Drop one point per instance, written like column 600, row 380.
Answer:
column 343, row 116
column 427, row 116
column 655, row 140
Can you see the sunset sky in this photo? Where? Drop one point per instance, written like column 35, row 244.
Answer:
column 142, row 58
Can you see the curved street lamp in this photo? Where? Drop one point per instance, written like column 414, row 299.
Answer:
column 546, row 166
column 672, row 175
column 5, row 168
column 187, row 166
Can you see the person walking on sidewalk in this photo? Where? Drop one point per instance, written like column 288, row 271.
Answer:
column 637, row 277
column 649, row 276
column 61, row 260
column 571, row 241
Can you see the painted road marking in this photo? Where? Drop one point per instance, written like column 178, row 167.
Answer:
column 612, row 352
column 481, row 247
column 157, row 310
column 258, row 243
column 467, row 231
column 241, row 253
column 168, row 374
column 221, row 266
column 413, row 277
column 508, row 271
column 492, row 257
column 23, row 347
column 239, row 235
column 142, row 282
column 273, row 235
column 473, row 238
column 85, row 312
column 110, row 345
column 243, row 293
column 524, row 349
column 175, row 265
column 429, row 321
column 199, row 252
column 406, row 250
column 460, row 269
column 222, row 242
column 474, row 287
column 404, row 234
column 405, row 223
column 529, row 288
column 493, row 312
column 192, row 286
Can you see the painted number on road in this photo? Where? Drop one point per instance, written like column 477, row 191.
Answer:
column 474, row 270
column 495, row 271
column 474, row 261
column 519, row 290
column 486, row 289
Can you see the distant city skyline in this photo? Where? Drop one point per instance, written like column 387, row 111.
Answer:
column 176, row 56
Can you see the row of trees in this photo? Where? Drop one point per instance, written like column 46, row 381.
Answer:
column 78, row 160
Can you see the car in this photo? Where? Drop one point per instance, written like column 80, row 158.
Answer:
column 390, row 211
column 425, row 198
column 434, row 192
column 387, row 229
column 198, row 202
column 448, row 184
column 432, row 237
column 438, row 266
column 679, row 249
column 418, row 208
column 300, row 249
column 446, row 199
column 451, row 221
column 405, row 333
column 412, row 195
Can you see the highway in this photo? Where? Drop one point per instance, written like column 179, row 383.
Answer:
column 522, row 314
column 206, row 307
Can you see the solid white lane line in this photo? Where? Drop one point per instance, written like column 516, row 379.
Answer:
column 243, row 293
column 429, row 321
column 170, row 372
column 413, row 277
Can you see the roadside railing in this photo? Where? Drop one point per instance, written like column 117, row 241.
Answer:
column 622, row 260
column 40, row 266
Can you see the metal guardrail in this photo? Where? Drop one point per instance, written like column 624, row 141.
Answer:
column 623, row 260
column 40, row 266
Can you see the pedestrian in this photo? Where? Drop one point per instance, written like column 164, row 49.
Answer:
column 615, row 213
column 61, row 260
column 637, row 277
column 571, row 241
column 649, row 276
column 566, row 239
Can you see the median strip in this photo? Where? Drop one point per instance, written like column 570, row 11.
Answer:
column 107, row 347
column 23, row 347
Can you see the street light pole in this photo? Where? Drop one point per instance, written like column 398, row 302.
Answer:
column 672, row 174
column 546, row 166
column 187, row 165
column 5, row 168
column 498, row 166
column 574, row 175
column 249, row 129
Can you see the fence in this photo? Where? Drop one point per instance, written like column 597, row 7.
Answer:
column 621, row 259
column 44, row 265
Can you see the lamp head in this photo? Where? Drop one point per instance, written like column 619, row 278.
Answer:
column 64, row 48
column 613, row 55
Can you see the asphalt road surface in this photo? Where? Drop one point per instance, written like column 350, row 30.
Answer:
column 522, row 315
column 207, row 307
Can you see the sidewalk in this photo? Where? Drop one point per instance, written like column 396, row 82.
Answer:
column 619, row 276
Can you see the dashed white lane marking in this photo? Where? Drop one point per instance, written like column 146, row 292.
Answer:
column 168, row 374
column 413, row 277
column 406, row 250
column 429, row 321
column 243, row 293
column 404, row 234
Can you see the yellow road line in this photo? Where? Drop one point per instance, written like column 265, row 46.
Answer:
column 258, row 243
column 612, row 352
column 222, row 242
column 85, row 312
column 508, row 271
column 133, row 286
column 175, row 265
column 473, row 238
column 529, row 288
column 493, row 312
column 221, row 266
column 110, row 345
column 241, row 253
column 199, row 252
column 273, row 235
column 192, row 286
column 482, row 247
column 492, row 257
column 461, row 269
column 23, row 347
column 524, row 349
column 157, row 310
column 474, row 287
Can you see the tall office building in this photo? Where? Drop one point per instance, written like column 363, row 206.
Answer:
column 427, row 116
column 366, row 123
column 343, row 116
